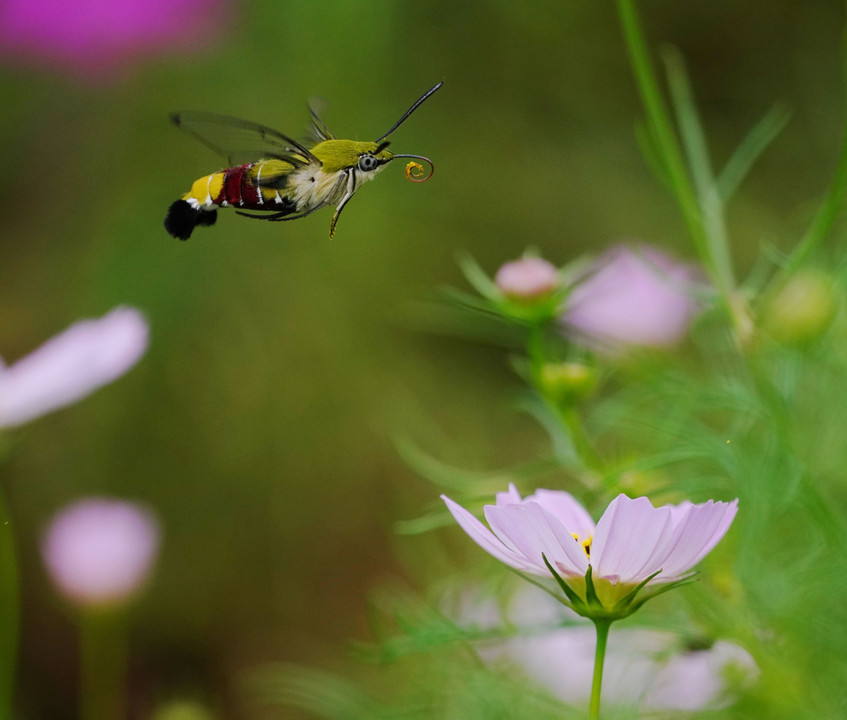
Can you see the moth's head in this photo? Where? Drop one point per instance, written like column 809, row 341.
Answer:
column 366, row 157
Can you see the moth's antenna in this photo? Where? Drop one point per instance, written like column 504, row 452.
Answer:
column 411, row 110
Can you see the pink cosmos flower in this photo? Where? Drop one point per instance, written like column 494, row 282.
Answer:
column 632, row 297
column 647, row 669
column 71, row 365
column 98, row 37
column 99, row 551
column 633, row 541
column 527, row 278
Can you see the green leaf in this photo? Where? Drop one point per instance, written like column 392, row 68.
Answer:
column 749, row 150
column 478, row 278
column 659, row 125
column 652, row 155
column 717, row 257
column 826, row 215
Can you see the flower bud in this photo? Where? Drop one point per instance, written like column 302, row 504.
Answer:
column 527, row 279
column 802, row 308
column 99, row 551
column 567, row 382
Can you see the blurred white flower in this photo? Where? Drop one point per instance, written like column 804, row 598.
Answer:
column 99, row 551
column 632, row 297
column 71, row 365
column 651, row 670
column 527, row 278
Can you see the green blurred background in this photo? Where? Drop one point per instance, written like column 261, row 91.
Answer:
column 260, row 424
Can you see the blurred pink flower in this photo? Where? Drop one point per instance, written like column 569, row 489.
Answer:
column 646, row 669
column 633, row 296
column 99, row 551
column 632, row 540
column 97, row 37
column 527, row 278
column 71, row 365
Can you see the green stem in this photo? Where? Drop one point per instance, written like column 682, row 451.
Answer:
column 602, row 627
column 661, row 129
column 536, row 350
column 582, row 445
column 103, row 660
column 709, row 199
column 9, row 610
column 568, row 416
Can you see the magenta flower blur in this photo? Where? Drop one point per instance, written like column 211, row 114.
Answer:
column 98, row 37
column 71, row 365
column 633, row 545
column 632, row 297
column 99, row 551
column 527, row 278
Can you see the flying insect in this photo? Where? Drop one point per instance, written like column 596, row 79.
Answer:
column 278, row 178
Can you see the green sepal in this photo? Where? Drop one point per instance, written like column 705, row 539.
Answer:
column 627, row 599
column 661, row 590
column 576, row 601
column 542, row 586
column 591, row 598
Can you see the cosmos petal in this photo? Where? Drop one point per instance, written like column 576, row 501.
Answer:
column 696, row 533
column 566, row 510
column 509, row 496
column 483, row 537
column 631, row 539
column 535, row 533
column 71, row 365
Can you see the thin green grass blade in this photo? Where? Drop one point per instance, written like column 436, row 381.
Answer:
column 826, row 215
column 697, row 154
column 477, row 277
column 660, row 125
column 748, row 151
column 652, row 156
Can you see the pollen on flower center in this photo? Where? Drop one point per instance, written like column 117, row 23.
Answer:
column 586, row 544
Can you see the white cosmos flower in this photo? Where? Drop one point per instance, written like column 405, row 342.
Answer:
column 71, row 365
column 631, row 542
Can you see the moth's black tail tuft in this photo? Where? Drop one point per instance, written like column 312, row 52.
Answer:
column 182, row 219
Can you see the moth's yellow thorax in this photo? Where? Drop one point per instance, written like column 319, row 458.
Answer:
column 336, row 155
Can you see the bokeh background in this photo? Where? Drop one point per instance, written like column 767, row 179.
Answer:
column 262, row 423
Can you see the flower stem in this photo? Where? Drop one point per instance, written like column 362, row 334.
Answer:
column 103, row 660
column 567, row 416
column 602, row 626
column 582, row 445
column 9, row 610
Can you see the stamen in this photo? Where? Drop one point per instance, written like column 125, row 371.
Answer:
column 586, row 544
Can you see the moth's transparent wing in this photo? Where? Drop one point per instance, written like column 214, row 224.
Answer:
column 242, row 141
column 318, row 129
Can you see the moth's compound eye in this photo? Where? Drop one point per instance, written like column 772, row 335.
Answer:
column 367, row 163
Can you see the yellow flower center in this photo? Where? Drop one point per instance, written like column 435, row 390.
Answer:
column 586, row 544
